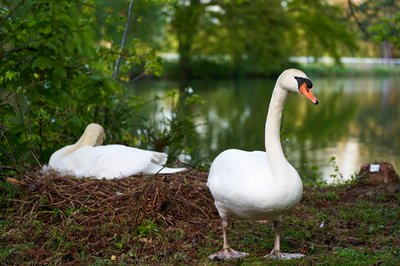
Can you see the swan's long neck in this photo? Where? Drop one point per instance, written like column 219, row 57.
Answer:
column 90, row 137
column 277, row 160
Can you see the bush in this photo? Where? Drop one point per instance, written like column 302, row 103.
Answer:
column 54, row 80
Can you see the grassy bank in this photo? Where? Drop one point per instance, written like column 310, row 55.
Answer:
column 204, row 69
column 172, row 221
column 320, row 70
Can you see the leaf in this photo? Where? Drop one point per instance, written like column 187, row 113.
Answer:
column 42, row 63
column 9, row 75
column 60, row 72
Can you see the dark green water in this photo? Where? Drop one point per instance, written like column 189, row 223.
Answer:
column 357, row 121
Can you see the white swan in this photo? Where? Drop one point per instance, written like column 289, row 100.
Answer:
column 86, row 158
column 260, row 185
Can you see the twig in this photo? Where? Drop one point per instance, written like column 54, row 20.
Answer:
column 74, row 218
column 36, row 159
column 139, row 76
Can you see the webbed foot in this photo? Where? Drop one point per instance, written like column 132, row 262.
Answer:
column 226, row 254
column 283, row 256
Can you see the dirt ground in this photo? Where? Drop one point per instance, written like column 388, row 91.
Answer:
column 154, row 219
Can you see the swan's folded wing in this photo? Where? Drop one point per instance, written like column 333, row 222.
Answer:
column 111, row 161
column 159, row 158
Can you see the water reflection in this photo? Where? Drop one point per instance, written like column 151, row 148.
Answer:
column 356, row 121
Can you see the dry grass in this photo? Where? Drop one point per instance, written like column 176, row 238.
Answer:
column 129, row 217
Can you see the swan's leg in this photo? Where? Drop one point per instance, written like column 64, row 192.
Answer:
column 275, row 252
column 226, row 252
column 224, row 229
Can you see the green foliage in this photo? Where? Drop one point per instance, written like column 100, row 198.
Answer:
column 45, row 49
column 55, row 79
column 7, row 192
column 252, row 43
column 147, row 228
column 320, row 29
column 387, row 29
column 173, row 130
column 139, row 56
column 233, row 32
column 379, row 20
column 336, row 176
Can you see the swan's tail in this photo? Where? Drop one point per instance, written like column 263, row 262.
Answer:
column 152, row 169
column 167, row 170
column 159, row 158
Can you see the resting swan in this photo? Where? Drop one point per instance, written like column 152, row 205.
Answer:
column 260, row 185
column 88, row 158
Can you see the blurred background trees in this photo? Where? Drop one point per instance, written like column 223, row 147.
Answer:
column 378, row 21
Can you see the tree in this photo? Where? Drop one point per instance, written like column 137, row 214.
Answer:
column 235, row 33
column 54, row 79
column 320, row 29
column 379, row 21
column 185, row 23
column 146, row 34
column 256, row 37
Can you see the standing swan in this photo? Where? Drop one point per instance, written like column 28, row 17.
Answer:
column 260, row 185
column 88, row 158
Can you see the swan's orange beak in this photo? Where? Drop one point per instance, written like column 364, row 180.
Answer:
column 307, row 92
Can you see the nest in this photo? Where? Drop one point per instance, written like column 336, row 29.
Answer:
column 135, row 211
column 158, row 198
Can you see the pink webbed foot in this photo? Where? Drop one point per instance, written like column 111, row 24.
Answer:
column 227, row 254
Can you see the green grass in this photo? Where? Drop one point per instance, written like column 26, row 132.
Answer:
column 331, row 226
column 321, row 70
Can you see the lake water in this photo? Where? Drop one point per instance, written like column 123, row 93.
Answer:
column 356, row 122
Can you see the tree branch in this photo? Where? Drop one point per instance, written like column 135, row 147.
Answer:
column 353, row 14
column 12, row 11
column 118, row 62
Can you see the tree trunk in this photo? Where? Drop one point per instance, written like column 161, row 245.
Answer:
column 387, row 52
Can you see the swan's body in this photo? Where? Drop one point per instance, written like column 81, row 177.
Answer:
column 84, row 159
column 246, row 188
column 259, row 185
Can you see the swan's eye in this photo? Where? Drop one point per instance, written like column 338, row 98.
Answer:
column 301, row 80
column 309, row 83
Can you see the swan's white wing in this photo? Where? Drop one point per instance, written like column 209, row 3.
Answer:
column 110, row 161
column 159, row 158
column 240, row 168
column 55, row 157
column 154, row 166
column 239, row 181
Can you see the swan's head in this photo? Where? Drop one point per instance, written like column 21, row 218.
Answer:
column 295, row 80
column 94, row 135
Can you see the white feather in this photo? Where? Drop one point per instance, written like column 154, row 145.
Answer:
column 83, row 159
